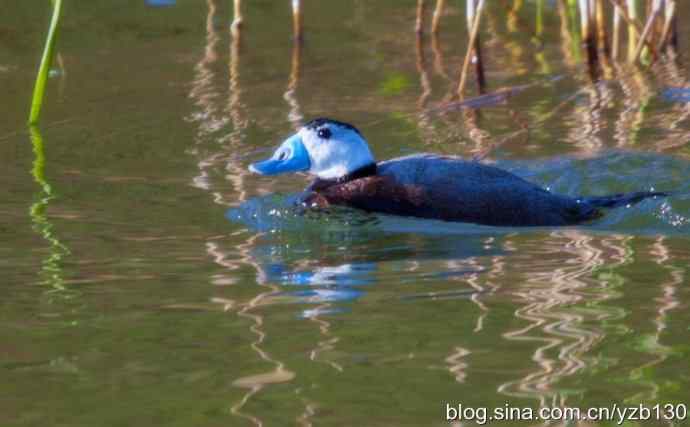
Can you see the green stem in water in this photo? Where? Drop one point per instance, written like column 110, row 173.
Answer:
column 44, row 68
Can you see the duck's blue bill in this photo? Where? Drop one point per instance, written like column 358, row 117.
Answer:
column 291, row 156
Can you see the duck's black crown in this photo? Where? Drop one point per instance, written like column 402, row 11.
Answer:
column 317, row 123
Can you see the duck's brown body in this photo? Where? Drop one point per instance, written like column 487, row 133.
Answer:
column 452, row 189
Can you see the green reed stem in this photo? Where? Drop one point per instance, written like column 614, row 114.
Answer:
column 46, row 62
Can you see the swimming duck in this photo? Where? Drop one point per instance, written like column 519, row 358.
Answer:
column 423, row 185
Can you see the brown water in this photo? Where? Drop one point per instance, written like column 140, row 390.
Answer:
column 148, row 279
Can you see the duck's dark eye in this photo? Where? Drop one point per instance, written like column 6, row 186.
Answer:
column 282, row 156
column 324, row 133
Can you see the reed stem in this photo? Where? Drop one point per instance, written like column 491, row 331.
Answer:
column 46, row 63
column 634, row 27
column 237, row 18
column 633, row 31
column 669, row 19
column 616, row 31
column 656, row 8
column 470, row 50
column 540, row 18
column 419, row 23
column 297, row 20
column 438, row 12
column 602, row 36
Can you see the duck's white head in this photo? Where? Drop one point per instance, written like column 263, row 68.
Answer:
column 326, row 148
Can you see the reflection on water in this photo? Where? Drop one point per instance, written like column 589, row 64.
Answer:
column 51, row 270
column 231, row 306
column 559, row 329
column 161, row 3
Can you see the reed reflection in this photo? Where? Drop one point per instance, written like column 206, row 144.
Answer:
column 323, row 276
column 563, row 307
column 652, row 342
column 213, row 152
column 51, row 267
column 295, row 116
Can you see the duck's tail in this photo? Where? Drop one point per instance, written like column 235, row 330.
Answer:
column 623, row 199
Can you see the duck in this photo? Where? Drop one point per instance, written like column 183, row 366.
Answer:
column 428, row 186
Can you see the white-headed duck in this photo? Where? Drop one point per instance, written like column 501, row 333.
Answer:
column 423, row 185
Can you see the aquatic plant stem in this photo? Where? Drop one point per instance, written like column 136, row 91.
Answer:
column 572, row 29
column 44, row 68
column 438, row 12
column 539, row 26
column 616, row 31
column 297, row 20
column 419, row 22
column 669, row 19
column 470, row 49
column 633, row 30
column 589, row 35
column 237, row 19
column 634, row 27
column 656, row 8
column 602, row 36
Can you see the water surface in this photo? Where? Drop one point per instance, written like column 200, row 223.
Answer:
column 149, row 279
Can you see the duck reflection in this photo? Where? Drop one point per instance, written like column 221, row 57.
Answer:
column 333, row 258
column 160, row 3
column 320, row 285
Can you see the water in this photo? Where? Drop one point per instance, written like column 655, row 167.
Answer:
column 149, row 279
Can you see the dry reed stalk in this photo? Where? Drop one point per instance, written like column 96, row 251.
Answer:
column 616, row 31
column 297, row 20
column 587, row 26
column 237, row 19
column 419, row 24
column 669, row 19
column 634, row 27
column 438, row 12
column 584, row 18
column 602, row 36
column 674, row 32
column 633, row 31
column 566, row 38
column 476, row 48
column 646, row 33
column 477, row 15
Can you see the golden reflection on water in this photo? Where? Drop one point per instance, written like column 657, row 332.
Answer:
column 295, row 113
column 636, row 94
column 328, row 344
column 557, row 302
column 205, row 93
column 672, row 121
column 279, row 374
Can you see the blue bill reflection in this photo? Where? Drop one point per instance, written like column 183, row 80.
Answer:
column 160, row 3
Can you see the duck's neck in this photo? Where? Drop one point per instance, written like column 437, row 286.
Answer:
column 362, row 172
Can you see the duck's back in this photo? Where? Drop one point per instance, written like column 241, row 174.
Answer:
column 458, row 190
